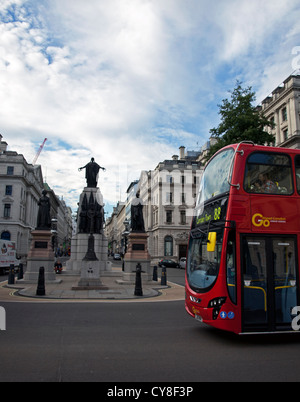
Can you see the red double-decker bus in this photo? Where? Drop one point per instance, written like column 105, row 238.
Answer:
column 242, row 272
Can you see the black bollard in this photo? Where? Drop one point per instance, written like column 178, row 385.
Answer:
column 41, row 291
column 155, row 273
column 164, row 276
column 21, row 271
column 11, row 275
column 138, row 291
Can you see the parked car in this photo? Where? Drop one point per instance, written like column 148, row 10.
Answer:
column 168, row 263
column 117, row 256
column 182, row 263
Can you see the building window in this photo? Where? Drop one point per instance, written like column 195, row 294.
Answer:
column 10, row 170
column 7, row 208
column 168, row 246
column 182, row 198
column 284, row 114
column 273, row 122
column 182, row 217
column 169, row 179
column 285, row 135
column 169, row 216
column 169, row 198
column 8, row 190
column 5, row 236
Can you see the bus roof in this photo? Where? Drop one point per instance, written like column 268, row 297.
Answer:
column 248, row 145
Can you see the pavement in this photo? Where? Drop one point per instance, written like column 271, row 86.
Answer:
column 114, row 289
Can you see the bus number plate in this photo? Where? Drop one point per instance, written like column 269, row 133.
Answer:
column 198, row 318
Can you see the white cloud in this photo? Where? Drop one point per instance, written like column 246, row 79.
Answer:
column 129, row 81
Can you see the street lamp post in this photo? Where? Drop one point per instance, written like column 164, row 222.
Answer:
column 125, row 235
column 54, row 234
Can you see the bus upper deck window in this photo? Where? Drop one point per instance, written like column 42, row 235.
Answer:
column 268, row 173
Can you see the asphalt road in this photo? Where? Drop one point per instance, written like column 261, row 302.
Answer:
column 134, row 342
column 175, row 275
column 141, row 342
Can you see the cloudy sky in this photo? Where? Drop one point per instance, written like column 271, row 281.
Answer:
column 129, row 81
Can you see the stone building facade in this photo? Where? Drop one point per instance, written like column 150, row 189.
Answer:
column 169, row 195
column 114, row 228
column 282, row 107
column 21, row 186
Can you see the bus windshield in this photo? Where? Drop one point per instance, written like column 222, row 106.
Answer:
column 215, row 177
column 203, row 266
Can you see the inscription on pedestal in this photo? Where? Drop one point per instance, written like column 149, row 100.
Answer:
column 138, row 247
column 40, row 244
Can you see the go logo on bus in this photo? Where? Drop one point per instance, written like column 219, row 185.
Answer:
column 259, row 220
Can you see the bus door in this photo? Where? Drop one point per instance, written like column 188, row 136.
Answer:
column 269, row 282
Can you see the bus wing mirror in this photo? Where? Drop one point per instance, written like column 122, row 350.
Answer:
column 211, row 241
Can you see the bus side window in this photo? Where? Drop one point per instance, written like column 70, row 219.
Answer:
column 297, row 168
column 269, row 173
column 231, row 267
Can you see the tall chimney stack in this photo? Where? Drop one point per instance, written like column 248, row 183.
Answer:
column 182, row 152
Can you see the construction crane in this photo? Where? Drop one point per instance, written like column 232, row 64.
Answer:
column 39, row 152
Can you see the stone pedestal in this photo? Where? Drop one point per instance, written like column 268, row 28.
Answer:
column 137, row 252
column 90, row 277
column 40, row 255
column 79, row 246
column 79, row 242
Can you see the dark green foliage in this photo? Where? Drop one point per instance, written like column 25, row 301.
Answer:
column 240, row 121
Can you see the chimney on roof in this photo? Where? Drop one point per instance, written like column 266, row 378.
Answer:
column 182, row 152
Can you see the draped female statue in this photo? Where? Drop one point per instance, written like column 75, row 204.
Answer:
column 91, row 173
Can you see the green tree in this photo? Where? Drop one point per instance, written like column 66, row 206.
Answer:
column 240, row 121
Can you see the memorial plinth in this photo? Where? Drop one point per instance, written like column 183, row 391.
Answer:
column 137, row 252
column 79, row 246
column 90, row 269
column 40, row 255
column 90, row 277
column 80, row 241
column 89, row 246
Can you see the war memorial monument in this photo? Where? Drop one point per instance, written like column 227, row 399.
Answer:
column 89, row 257
column 137, row 251
column 41, row 252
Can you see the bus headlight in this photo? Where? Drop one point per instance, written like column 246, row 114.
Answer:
column 195, row 299
column 216, row 304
